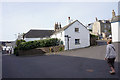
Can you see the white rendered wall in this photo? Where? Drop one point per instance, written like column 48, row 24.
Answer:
column 60, row 36
column 115, row 26
column 31, row 39
column 83, row 35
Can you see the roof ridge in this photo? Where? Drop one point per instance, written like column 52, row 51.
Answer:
column 66, row 26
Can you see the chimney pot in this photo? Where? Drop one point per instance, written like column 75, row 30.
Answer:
column 68, row 18
column 68, row 21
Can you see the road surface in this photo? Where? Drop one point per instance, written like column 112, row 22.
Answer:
column 80, row 63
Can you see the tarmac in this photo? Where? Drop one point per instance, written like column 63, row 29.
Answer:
column 80, row 63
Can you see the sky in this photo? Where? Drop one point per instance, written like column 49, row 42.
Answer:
column 20, row 17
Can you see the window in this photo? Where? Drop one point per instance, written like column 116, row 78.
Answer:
column 77, row 41
column 76, row 29
column 104, row 26
column 105, row 30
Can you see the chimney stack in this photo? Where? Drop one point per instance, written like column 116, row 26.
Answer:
column 113, row 14
column 69, row 21
column 96, row 19
column 57, row 26
column 68, row 18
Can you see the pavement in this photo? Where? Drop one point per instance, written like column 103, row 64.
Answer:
column 80, row 63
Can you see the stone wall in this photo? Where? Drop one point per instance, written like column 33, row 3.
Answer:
column 40, row 51
column 93, row 41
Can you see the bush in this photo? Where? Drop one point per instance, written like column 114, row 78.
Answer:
column 38, row 43
column 91, row 35
column 18, row 42
column 16, row 51
column 61, row 48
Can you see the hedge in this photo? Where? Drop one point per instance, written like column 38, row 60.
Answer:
column 18, row 42
column 39, row 43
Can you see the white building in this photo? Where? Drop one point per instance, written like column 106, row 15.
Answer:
column 115, row 26
column 37, row 34
column 78, row 33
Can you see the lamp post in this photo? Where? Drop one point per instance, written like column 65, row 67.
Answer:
column 67, row 40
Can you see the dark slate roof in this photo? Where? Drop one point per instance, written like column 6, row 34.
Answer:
column 65, row 27
column 116, row 18
column 38, row 33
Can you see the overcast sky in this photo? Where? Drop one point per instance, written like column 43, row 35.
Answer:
column 20, row 17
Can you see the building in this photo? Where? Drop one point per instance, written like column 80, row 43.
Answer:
column 102, row 28
column 89, row 26
column 115, row 25
column 37, row 34
column 7, row 46
column 74, row 35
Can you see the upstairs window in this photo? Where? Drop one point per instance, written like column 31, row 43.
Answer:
column 105, row 30
column 76, row 29
column 77, row 41
column 105, row 26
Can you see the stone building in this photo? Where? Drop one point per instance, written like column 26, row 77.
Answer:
column 102, row 28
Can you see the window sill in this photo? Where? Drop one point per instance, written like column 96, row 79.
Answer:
column 77, row 44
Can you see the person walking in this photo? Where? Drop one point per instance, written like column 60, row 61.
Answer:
column 110, row 55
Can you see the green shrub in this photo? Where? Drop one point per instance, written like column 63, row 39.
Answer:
column 93, row 36
column 61, row 48
column 38, row 43
column 16, row 51
column 18, row 42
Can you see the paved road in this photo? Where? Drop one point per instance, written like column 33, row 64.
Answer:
column 101, row 42
column 80, row 63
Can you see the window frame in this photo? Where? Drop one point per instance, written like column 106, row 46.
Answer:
column 76, row 29
column 77, row 42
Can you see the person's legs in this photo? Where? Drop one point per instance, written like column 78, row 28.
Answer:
column 111, row 64
column 112, row 69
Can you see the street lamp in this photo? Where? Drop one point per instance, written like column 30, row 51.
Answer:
column 67, row 40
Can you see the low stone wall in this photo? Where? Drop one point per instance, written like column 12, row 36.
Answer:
column 40, row 51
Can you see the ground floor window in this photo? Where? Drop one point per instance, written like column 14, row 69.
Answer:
column 77, row 41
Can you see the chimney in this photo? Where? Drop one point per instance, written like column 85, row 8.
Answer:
column 59, row 25
column 96, row 19
column 69, row 21
column 113, row 14
column 55, row 27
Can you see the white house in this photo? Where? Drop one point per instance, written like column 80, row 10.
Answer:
column 34, row 34
column 115, row 26
column 78, row 33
